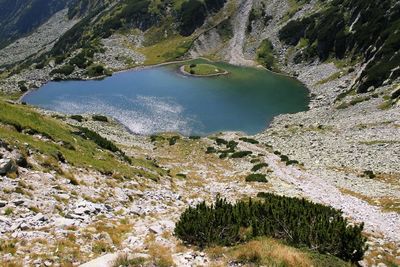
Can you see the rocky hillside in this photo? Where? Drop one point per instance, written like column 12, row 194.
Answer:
column 18, row 18
column 85, row 189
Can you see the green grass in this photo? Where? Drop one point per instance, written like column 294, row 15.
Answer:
column 173, row 48
column 85, row 153
column 203, row 69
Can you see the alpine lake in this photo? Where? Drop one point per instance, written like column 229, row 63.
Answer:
column 163, row 99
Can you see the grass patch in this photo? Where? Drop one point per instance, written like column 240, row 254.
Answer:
column 203, row 69
column 85, row 153
column 170, row 49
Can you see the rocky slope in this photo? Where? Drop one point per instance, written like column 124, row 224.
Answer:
column 347, row 146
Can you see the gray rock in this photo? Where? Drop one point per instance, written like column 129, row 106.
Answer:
column 156, row 229
column 2, row 203
column 7, row 166
column 18, row 202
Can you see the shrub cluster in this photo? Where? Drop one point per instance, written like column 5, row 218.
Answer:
column 256, row 177
column 100, row 118
column 259, row 166
column 297, row 221
column 249, row 140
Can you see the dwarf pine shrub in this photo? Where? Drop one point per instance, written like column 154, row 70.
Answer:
column 299, row 222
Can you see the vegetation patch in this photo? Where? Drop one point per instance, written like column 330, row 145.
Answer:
column 203, row 70
column 249, row 140
column 241, row 154
column 265, row 55
column 259, row 166
column 100, row 118
column 297, row 221
column 256, row 177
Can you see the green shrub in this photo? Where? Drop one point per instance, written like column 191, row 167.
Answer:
column 241, row 154
column 370, row 174
column 259, row 166
column 96, row 70
column 297, row 221
column 100, row 118
column 211, row 150
column 77, row 117
column 256, row 177
column 182, row 175
column 194, row 137
column 221, row 141
column 265, row 55
column 64, row 70
column 249, row 140
column 173, row 139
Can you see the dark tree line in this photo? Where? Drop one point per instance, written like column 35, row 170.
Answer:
column 299, row 222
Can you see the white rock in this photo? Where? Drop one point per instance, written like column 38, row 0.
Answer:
column 103, row 261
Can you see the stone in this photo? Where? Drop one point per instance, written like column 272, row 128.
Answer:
column 18, row 202
column 7, row 166
column 62, row 222
column 24, row 226
column 2, row 203
column 103, row 261
column 156, row 229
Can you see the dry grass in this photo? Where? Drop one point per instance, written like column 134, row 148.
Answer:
column 161, row 255
column 269, row 252
column 116, row 230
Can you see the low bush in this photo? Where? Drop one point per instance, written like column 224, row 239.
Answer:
column 249, row 140
column 259, row 166
column 256, row 177
column 64, row 70
column 173, row 139
column 241, row 154
column 100, row 118
column 299, row 222
column 77, row 117
column 211, row 150
column 221, row 141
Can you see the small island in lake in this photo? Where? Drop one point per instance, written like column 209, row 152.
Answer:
column 203, row 70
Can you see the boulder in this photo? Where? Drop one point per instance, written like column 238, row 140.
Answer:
column 18, row 202
column 2, row 203
column 103, row 261
column 7, row 166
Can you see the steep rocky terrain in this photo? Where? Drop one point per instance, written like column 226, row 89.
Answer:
column 345, row 149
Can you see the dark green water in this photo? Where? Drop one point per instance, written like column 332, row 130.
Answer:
column 161, row 99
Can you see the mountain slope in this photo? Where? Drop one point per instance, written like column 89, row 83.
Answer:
column 20, row 17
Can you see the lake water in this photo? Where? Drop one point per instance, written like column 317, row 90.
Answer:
column 161, row 99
